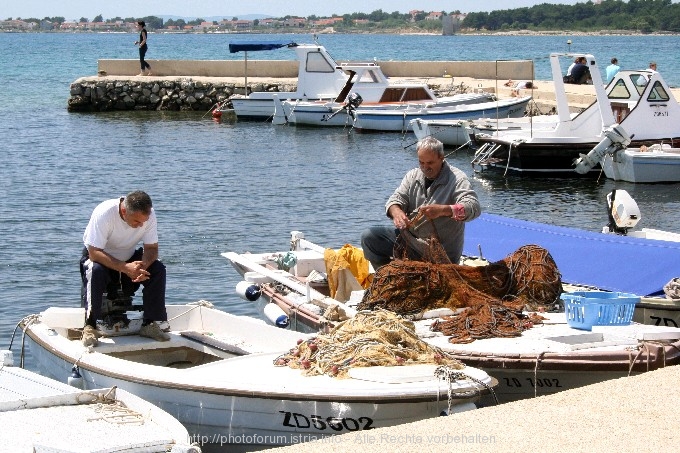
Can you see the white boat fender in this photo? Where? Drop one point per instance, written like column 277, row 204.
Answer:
column 248, row 291
column 276, row 315
column 76, row 379
column 6, row 358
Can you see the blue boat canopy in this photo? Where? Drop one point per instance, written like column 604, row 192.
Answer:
column 606, row 261
column 249, row 46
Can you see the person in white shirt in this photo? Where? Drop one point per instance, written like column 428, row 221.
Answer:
column 115, row 229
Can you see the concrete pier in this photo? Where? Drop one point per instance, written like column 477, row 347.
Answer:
column 199, row 84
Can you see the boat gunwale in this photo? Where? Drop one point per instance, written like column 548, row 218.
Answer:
column 432, row 396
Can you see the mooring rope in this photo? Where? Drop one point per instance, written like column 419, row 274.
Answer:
column 450, row 376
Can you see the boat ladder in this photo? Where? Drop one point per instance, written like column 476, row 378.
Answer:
column 484, row 156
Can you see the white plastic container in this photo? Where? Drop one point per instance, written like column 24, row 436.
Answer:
column 65, row 317
column 307, row 261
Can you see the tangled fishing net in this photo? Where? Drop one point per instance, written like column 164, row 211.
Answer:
column 368, row 339
column 490, row 298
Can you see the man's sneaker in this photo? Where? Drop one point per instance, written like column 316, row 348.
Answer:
column 154, row 332
column 90, row 335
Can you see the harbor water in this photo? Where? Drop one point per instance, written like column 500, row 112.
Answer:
column 243, row 186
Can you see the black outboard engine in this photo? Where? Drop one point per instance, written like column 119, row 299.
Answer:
column 353, row 101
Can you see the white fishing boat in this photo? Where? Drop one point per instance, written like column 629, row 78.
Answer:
column 323, row 80
column 39, row 414
column 345, row 111
column 461, row 132
column 639, row 101
column 552, row 357
column 400, row 121
column 218, row 377
column 644, row 164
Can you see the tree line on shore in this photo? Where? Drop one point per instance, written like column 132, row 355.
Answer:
column 646, row 16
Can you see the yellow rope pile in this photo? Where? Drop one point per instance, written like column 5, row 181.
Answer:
column 377, row 338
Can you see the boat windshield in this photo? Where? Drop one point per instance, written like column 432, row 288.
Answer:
column 640, row 81
column 369, row 77
column 316, row 62
column 658, row 93
column 619, row 90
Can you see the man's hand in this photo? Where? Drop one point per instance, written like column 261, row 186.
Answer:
column 136, row 271
column 398, row 216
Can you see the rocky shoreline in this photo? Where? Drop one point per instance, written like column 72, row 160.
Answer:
column 173, row 94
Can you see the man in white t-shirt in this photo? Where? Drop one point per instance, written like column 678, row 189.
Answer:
column 116, row 228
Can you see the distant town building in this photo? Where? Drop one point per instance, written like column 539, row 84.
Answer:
column 295, row 22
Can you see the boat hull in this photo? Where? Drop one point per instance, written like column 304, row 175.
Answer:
column 540, row 159
column 450, row 133
column 334, row 114
column 643, row 166
column 392, row 121
column 245, row 399
column 546, row 359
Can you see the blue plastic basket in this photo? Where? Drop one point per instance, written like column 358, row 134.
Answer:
column 585, row 309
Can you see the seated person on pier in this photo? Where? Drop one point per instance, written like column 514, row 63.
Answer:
column 580, row 73
column 116, row 227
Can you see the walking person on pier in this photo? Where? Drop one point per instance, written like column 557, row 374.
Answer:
column 142, row 47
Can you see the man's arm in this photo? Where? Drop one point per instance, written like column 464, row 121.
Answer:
column 150, row 254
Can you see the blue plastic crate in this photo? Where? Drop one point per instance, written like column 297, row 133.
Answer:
column 585, row 309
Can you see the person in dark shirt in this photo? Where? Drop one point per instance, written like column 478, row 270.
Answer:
column 580, row 73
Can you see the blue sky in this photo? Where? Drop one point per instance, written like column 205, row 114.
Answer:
column 75, row 9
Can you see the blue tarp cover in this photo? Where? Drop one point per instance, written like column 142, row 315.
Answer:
column 605, row 261
column 248, row 46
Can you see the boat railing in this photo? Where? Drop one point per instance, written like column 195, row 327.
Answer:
column 483, row 155
column 357, row 63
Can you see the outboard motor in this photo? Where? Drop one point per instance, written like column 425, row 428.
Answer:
column 622, row 211
column 353, row 101
column 615, row 138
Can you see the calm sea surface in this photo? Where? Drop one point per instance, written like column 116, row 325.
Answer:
column 244, row 186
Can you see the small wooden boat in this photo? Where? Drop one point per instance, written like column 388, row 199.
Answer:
column 217, row 376
column 40, row 414
column 548, row 358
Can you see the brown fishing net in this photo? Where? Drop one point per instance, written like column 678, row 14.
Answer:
column 368, row 339
column 492, row 296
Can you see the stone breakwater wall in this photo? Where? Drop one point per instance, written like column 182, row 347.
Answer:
column 100, row 94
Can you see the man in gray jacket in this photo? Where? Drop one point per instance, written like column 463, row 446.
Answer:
column 441, row 193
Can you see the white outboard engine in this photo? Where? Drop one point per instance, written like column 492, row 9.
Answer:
column 623, row 212
column 616, row 138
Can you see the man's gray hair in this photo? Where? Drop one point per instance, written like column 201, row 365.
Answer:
column 138, row 201
column 431, row 144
